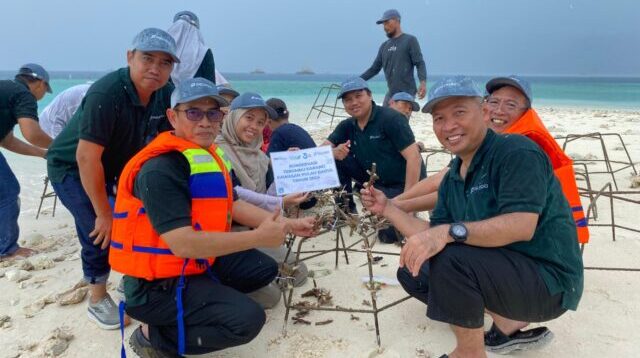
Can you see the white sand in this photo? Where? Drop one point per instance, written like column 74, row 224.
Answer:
column 606, row 324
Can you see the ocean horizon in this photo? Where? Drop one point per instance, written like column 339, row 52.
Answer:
column 300, row 91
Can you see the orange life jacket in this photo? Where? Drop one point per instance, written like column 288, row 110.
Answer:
column 531, row 126
column 136, row 248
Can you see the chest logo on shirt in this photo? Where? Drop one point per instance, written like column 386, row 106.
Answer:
column 477, row 188
column 392, row 48
column 157, row 117
column 377, row 136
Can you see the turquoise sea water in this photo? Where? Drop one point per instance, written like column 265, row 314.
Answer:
column 300, row 91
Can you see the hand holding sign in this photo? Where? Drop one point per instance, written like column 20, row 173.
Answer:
column 304, row 170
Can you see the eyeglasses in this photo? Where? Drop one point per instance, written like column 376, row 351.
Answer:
column 196, row 115
column 509, row 105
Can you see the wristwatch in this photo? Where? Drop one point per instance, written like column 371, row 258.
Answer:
column 458, row 232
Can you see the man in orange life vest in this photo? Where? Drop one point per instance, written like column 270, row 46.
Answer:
column 509, row 112
column 186, row 275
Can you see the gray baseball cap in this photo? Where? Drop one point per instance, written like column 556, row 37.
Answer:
column 222, row 89
column 249, row 100
column 514, row 81
column 452, row 86
column 388, row 15
column 196, row 88
column 36, row 71
column 352, row 84
column 189, row 17
column 404, row 96
column 152, row 39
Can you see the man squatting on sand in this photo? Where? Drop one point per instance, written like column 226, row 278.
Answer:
column 181, row 183
column 494, row 223
column 501, row 238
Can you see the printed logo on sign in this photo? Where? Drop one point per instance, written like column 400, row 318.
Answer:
column 280, row 191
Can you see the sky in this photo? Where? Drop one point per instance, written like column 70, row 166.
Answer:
column 473, row 37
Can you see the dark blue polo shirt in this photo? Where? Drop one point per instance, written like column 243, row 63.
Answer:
column 383, row 138
column 289, row 135
column 15, row 102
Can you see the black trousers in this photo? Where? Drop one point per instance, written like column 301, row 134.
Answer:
column 461, row 281
column 349, row 169
column 217, row 315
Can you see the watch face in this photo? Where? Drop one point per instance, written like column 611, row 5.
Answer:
column 458, row 230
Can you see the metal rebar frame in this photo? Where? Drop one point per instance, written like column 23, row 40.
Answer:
column 368, row 245
column 51, row 194
column 325, row 108
column 608, row 162
column 429, row 152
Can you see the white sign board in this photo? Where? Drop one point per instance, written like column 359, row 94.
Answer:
column 304, row 170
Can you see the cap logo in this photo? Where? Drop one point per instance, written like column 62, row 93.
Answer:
column 200, row 84
column 160, row 38
column 256, row 98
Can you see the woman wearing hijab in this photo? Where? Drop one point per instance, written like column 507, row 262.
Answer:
column 241, row 139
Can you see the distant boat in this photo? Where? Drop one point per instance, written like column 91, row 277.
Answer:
column 257, row 71
column 305, row 71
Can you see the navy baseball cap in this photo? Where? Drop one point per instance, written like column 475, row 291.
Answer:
column 36, row 71
column 152, row 39
column 352, row 84
column 222, row 89
column 250, row 100
column 388, row 15
column 404, row 96
column 453, row 86
column 196, row 88
column 279, row 106
column 513, row 81
column 189, row 17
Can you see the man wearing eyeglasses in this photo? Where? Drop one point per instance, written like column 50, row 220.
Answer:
column 119, row 114
column 508, row 111
column 180, row 256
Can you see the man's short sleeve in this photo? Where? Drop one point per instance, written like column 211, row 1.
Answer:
column 98, row 118
column 522, row 178
column 163, row 186
column 440, row 214
column 341, row 133
column 398, row 131
column 25, row 106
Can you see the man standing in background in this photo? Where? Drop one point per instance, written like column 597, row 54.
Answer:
column 397, row 56
column 18, row 105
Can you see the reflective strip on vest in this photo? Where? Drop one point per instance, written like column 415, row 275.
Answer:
column 207, row 178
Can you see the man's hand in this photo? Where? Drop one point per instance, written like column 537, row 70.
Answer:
column 102, row 231
column 342, row 150
column 295, row 199
column 423, row 246
column 303, row 226
column 422, row 90
column 272, row 230
column 373, row 200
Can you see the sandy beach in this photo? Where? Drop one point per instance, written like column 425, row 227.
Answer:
column 33, row 323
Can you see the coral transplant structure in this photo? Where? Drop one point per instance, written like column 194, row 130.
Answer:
column 333, row 216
